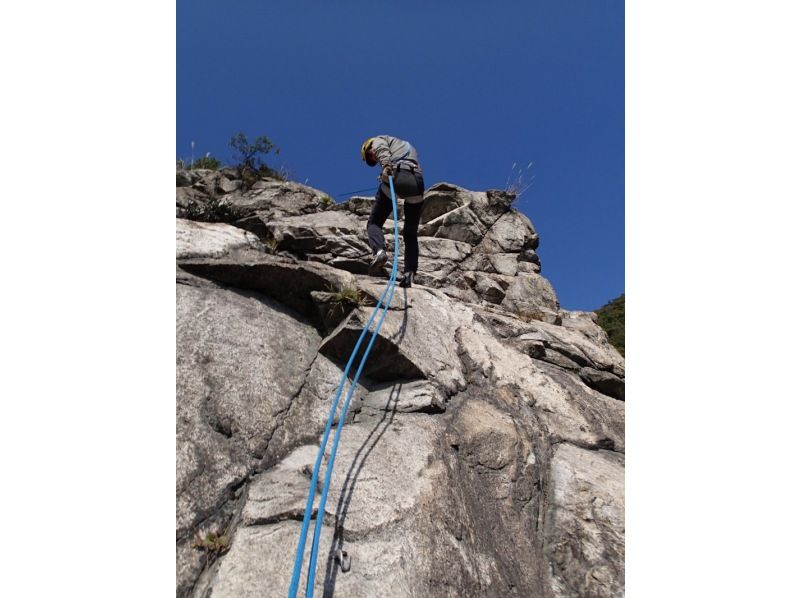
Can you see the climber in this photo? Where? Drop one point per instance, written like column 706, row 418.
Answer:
column 399, row 159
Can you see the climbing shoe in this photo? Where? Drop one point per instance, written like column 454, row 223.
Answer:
column 407, row 280
column 379, row 260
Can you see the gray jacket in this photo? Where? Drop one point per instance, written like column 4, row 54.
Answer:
column 391, row 150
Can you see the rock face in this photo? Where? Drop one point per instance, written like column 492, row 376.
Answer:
column 483, row 454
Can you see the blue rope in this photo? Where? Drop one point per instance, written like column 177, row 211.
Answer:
column 298, row 562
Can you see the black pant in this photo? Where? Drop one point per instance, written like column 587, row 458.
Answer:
column 406, row 184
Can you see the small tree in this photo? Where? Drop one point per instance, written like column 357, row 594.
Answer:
column 249, row 157
column 249, row 154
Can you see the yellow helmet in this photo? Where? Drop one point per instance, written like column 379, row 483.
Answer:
column 364, row 149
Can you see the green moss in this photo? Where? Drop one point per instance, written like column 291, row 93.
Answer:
column 271, row 245
column 212, row 543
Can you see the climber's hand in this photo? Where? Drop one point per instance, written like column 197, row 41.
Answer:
column 386, row 173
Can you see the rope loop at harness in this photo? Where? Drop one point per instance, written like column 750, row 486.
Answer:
column 383, row 306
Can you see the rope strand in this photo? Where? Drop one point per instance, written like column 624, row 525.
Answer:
column 298, row 564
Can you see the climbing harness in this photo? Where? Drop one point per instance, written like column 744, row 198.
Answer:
column 343, row 558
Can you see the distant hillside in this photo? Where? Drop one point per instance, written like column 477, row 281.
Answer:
column 611, row 318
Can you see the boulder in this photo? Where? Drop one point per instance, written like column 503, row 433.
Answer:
column 357, row 205
column 528, row 267
column 334, row 232
column 490, row 206
column 532, row 298
column 288, row 281
column 585, row 523
column 404, row 397
column 189, row 201
column 275, row 198
column 570, row 410
column 206, row 240
column 443, row 249
column 281, row 492
column 490, row 287
column 459, row 225
column 226, row 185
column 183, row 178
column 414, row 342
column 440, row 199
column 604, row 382
column 232, row 386
column 373, row 521
column 512, row 232
column 205, row 180
column 441, row 274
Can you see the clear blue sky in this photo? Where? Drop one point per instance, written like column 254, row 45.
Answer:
column 475, row 86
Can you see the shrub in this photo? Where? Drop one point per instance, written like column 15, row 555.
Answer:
column 215, row 210
column 519, row 180
column 265, row 172
column 611, row 318
column 208, row 161
column 249, row 155
column 326, row 202
column 347, row 296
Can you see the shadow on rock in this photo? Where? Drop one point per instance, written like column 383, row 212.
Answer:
column 387, row 360
column 363, row 453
